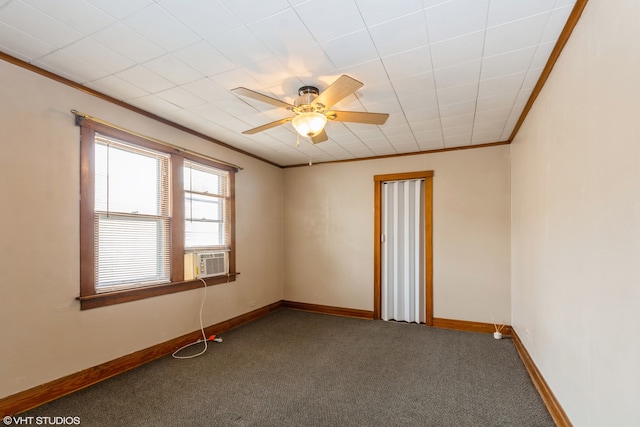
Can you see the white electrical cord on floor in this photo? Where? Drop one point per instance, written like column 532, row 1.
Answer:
column 204, row 337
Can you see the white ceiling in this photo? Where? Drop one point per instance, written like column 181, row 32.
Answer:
column 450, row 73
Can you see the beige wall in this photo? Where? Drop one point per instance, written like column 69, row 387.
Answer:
column 328, row 232
column 576, row 221
column 43, row 333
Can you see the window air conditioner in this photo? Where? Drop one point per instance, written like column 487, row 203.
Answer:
column 209, row 264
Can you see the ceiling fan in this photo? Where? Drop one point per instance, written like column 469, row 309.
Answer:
column 313, row 109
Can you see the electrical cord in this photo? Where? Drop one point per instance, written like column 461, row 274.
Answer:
column 204, row 337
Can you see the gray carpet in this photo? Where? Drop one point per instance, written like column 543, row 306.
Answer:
column 294, row 368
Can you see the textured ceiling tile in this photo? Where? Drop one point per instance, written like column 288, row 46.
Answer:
column 100, row 56
column 392, row 121
column 492, row 115
column 384, row 151
column 540, row 58
column 81, row 72
column 427, row 126
column 245, row 112
column 391, row 106
column 503, row 100
column 415, row 61
column 458, row 109
column 283, row 33
column 503, row 11
column 531, row 78
column 430, row 3
column 269, row 72
column 116, row 87
column 409, row 31
column 206, row 18
column 456, row 18
column 457, row 75
column 181, row 97
column 206, row 111
column 560, row 3
column 486, row 125
column 457, row 140
column 77, row 14
column 173, row 69
column 407, row 148
column 249, row 11
column 501, row 84
column 154, row 103
column 414, row 85
column 515, row 35
column 162, row 28
column 377, row 11
column 349, row 50
column 424, row 115
column 329, row 19
column 556, row 24
column 420, row 102
column 120, row 9
column 435, row 144
column 145, row 79
column 371, row 134
column 207, row 90
column 369, row 73
column 235, row 78
column 423, row 135
column 349, row 103
column 397, row 131
column 487, row 137
column 507, row 63
column 22, row 45
column 129, row 43
column 453, row 95
column 457, row 121
column 311, row 61
column 459, row 50
column 205, row 58
column 39, row 25
column 284, row 133
column 241, row 46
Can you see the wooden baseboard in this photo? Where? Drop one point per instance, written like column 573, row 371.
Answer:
column 553, row 406
column 465, row 325
column 36, row 396
column 337, row 311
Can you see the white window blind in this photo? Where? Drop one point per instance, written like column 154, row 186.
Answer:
column 206, row 192
column 132, row 242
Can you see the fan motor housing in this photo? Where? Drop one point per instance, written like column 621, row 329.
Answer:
column 306, row 95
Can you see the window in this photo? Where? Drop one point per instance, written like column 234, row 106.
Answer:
column 132, row 231
column 144, row 205
column 206, row 207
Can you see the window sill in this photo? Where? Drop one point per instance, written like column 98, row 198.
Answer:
column 117, row 297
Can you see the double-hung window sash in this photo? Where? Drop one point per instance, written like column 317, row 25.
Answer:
column 206, row 193
column 132, row 215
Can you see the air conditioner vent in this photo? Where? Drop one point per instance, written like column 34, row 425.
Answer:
column 209, row 264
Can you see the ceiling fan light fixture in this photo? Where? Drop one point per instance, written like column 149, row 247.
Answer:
column 309, row 124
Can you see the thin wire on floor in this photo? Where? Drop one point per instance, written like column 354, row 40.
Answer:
column 204, row 337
